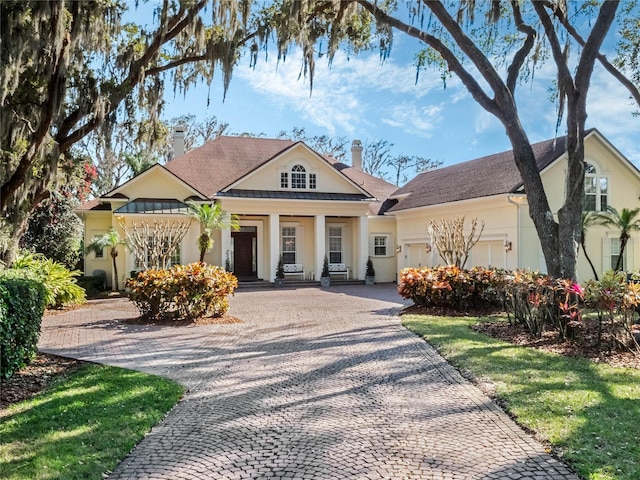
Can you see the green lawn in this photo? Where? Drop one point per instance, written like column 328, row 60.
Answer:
column 590, row 412
column 83, row 424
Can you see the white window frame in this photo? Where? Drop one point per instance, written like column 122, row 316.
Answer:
column 596, row 176
column 299, row 177
column 177, row 255
column 336, row 232
column 285, row 246
column 101, row 254
column 389, row 247
column 608, row 262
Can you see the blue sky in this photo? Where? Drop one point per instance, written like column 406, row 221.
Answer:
column 358, row 97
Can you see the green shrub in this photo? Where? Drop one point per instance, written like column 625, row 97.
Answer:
column 22, row 304
column 59, row 282
column 182, row 292
column 91, row 284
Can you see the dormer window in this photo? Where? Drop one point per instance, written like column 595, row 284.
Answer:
column 299, row 177
column 596, row 190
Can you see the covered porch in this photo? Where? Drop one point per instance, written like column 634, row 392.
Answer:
column 253, row 251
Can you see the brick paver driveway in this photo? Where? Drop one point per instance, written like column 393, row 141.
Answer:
column 313, row 385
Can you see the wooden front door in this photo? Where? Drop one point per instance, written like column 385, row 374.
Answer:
column 245, row 253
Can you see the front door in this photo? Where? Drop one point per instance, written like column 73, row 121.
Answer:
column 245, row 253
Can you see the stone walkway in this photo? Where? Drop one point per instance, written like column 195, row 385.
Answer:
column 315, row 384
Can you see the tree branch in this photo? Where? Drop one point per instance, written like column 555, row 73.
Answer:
column 452, row 62
column 136, row 72
column 521, row 55
column 564, row 75
column 55, row 92
column 609, row 67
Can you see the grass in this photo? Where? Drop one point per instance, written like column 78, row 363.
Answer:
column 83, row 425
column 589, row 412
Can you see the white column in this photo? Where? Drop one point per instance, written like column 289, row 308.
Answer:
column 363, row 247
column 225, row 245
column 274, row 245
column 320, row 243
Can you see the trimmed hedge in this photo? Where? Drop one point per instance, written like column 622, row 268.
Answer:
column 182, row 292
column 22, row 304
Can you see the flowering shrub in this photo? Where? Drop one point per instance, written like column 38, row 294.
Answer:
column 452, row 287
column 615, row 303
column 535, row 300
column 182, row 292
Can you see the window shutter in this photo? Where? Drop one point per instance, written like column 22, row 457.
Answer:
column 299, row 244
column 628, row 253
column 606, row 254
column 391, row 248
column 371, row 245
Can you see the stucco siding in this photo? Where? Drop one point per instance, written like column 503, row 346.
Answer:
column 268, row 176
column 501, row 225
column 385, row 266
column 155, row 183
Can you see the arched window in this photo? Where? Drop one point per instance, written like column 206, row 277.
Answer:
column 596, row 190
column 298, row 177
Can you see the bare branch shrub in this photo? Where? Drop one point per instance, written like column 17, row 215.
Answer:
column 447, row 234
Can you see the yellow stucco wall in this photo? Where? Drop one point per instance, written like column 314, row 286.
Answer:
column 268, row 176
column 623, row 192
column 96, row 225
column 155, row 183
column 498, row 213
column 505, row 220
column 385, row 266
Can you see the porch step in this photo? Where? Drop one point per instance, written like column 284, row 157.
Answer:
column 292, row 283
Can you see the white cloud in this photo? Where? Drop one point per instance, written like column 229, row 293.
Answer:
column 345, row 95
column 415, row 119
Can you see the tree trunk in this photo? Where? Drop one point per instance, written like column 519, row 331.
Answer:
column 114, row 255
column 539, row 209
column 624, row 238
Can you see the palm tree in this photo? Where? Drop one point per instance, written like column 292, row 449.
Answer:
column 626, row 221
column 589, row 219
column 211, row 217
column 109, row 240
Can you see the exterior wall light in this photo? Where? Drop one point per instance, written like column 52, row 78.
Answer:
column 427, row 248
column 507, row 245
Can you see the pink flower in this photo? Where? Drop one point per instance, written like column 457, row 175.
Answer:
column 577, row 289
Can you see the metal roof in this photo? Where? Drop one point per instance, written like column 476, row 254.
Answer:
column 292, row 195
column 153, row 205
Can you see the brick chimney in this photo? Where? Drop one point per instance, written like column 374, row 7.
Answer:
column 356, row 154
column 178, row 141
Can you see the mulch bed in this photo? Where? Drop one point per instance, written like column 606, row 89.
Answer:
column 583, row 346
column 549, row 342
column 34, row 378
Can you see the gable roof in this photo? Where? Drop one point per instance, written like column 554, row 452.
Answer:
column 378, row 188
column 221, row 162
column 486, row 176
column 116, row 193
